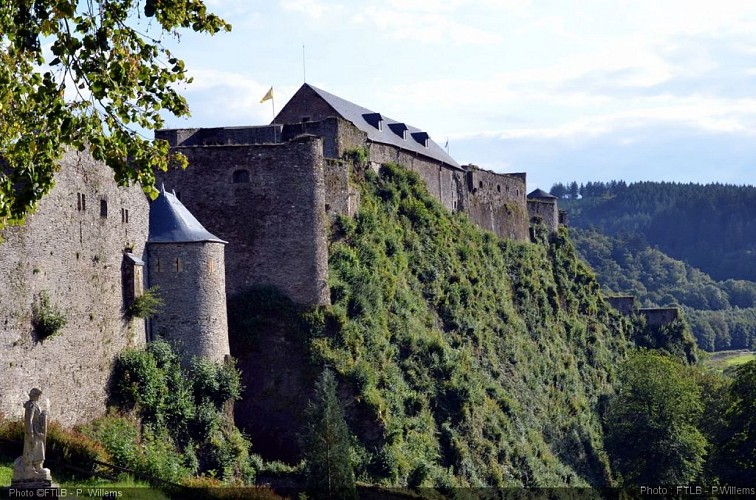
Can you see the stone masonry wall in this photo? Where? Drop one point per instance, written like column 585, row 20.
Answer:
column 192, row 283
column 275, row 223
column 497, row 202
column 658, row 316
column 71, row 248
column 546, row 210
column 439, row 179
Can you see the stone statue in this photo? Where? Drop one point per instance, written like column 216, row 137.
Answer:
column 28, row 467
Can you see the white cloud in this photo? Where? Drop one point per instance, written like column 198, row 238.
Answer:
column 425, row 22
column 312, row 8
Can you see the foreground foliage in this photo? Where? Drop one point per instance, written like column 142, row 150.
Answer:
column 470, row 360
column 105, row 76
column 175, row 422
column 653, row 423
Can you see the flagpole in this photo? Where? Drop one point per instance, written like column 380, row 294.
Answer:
column 273, row 104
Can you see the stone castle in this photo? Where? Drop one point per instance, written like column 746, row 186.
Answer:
column 266, row 195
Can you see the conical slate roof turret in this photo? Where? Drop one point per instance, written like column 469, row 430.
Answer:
column 171, row 222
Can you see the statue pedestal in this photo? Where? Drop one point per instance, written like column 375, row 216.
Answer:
column 32, row 482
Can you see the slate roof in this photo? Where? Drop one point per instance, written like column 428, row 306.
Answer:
column 541, row 194
column 171, row 222
column 391, row 130
column 134, row 259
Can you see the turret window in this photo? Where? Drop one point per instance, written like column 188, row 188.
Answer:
column 241, row 176
column 81, row 202
column 103, row 208
column 179, row 265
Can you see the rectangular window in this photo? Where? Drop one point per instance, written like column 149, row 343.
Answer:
column 179, row 265
column 103, row 208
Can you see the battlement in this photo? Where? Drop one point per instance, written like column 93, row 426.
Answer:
column 221, row 136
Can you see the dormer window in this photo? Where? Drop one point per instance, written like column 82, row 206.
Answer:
column 399, row 129
column 421, row 138
column 374, row 119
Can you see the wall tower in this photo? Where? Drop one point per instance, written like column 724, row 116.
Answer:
column 187, row 263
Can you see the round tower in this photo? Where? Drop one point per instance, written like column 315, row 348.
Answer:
column 186, row 263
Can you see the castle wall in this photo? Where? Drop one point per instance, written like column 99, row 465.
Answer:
column 657, row 316
column 309, row 107
column 442, row 181
column 340, row 197
column 624, row 304
column 72, row 250
column 219, row 136
column 275, row 222
column 496, row 202
column 191, row 281
column 546, row 211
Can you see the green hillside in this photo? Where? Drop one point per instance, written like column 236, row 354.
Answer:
column 463, row 359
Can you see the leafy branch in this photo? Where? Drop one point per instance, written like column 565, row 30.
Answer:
column 105, row 81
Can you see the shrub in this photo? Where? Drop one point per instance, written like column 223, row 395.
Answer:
column 146, row 305
column 190, row 403
column 46, row 318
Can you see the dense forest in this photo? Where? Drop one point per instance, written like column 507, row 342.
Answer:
column 711, row 227
column 613, row 229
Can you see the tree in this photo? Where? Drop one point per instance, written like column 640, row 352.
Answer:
column 326, row 444
column 574, row 191
column 558, row 190
column 652, row 434
column 106, row 75
column 737, row 449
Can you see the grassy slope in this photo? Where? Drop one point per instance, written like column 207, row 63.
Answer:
column 471, row 360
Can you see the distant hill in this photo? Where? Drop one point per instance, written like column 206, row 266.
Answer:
column 667, row 243
column 722, row 314
column 711, row 227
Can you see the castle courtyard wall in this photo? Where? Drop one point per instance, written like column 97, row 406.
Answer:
column 72, row 249
column 275, row 221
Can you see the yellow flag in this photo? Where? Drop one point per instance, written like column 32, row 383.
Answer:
column 267, row 96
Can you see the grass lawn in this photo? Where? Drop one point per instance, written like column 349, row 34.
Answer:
column 93, row 488
column 722, row 360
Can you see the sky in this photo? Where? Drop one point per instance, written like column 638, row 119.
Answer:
column 661, row 90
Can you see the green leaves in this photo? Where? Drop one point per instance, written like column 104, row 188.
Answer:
column 653, row 435
column 108, row 78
